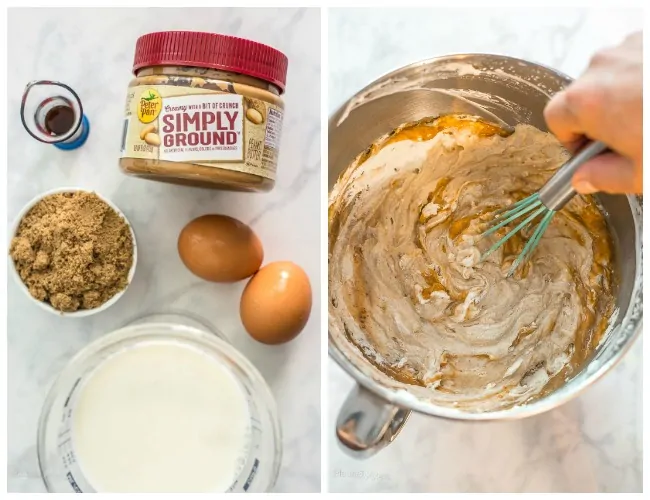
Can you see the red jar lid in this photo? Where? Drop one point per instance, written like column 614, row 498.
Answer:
column 211, row 50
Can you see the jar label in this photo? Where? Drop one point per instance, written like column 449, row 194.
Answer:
column 202, row 127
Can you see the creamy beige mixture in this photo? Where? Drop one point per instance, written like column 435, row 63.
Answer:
column 406, row 284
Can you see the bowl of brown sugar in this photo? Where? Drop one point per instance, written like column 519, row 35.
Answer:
column 73, row 252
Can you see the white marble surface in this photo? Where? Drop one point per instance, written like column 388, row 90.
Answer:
column 592, row 444
column 92, row 50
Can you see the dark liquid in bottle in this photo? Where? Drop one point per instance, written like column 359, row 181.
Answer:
column 59, row 120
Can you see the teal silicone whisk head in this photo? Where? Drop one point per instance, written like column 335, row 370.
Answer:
column 542, row 205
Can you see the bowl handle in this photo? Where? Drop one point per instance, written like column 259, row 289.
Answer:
column 367, row 423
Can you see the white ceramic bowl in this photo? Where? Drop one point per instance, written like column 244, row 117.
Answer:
column 44, row 305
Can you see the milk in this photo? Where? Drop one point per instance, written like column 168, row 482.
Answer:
column 161, row 417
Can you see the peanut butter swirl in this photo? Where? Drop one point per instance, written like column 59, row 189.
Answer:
column 408, row 288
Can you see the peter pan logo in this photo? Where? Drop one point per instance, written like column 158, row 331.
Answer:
column 149, row 106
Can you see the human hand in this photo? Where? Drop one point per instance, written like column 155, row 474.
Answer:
column 605, row 104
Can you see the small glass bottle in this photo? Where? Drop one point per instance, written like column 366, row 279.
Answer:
column 52, row 113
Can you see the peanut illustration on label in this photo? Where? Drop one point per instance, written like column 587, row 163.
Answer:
column 254, row 112
column 254, row 116
column 152, row 127
column 152, row 139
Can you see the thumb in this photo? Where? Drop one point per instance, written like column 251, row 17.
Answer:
column 608, row 172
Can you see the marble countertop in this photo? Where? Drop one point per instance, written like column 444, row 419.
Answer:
column 92, row 51
column 592, row 444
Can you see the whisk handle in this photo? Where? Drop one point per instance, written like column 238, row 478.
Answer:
column 558, row 190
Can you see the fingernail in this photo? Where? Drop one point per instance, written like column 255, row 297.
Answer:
column 585, row 187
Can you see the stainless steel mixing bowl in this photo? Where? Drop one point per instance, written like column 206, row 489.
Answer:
column 502, row 89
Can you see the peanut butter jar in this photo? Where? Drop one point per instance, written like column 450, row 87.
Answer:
column 204, row 110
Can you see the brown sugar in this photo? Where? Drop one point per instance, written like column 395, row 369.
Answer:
column 73, row 251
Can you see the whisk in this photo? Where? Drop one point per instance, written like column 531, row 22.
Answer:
column 545, row 203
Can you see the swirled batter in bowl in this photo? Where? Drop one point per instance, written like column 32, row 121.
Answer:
column 406, row 284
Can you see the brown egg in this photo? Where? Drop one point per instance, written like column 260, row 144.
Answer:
column 276, row 303
column 220, row 248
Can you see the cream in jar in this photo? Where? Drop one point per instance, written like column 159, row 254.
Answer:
column 161, row 417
